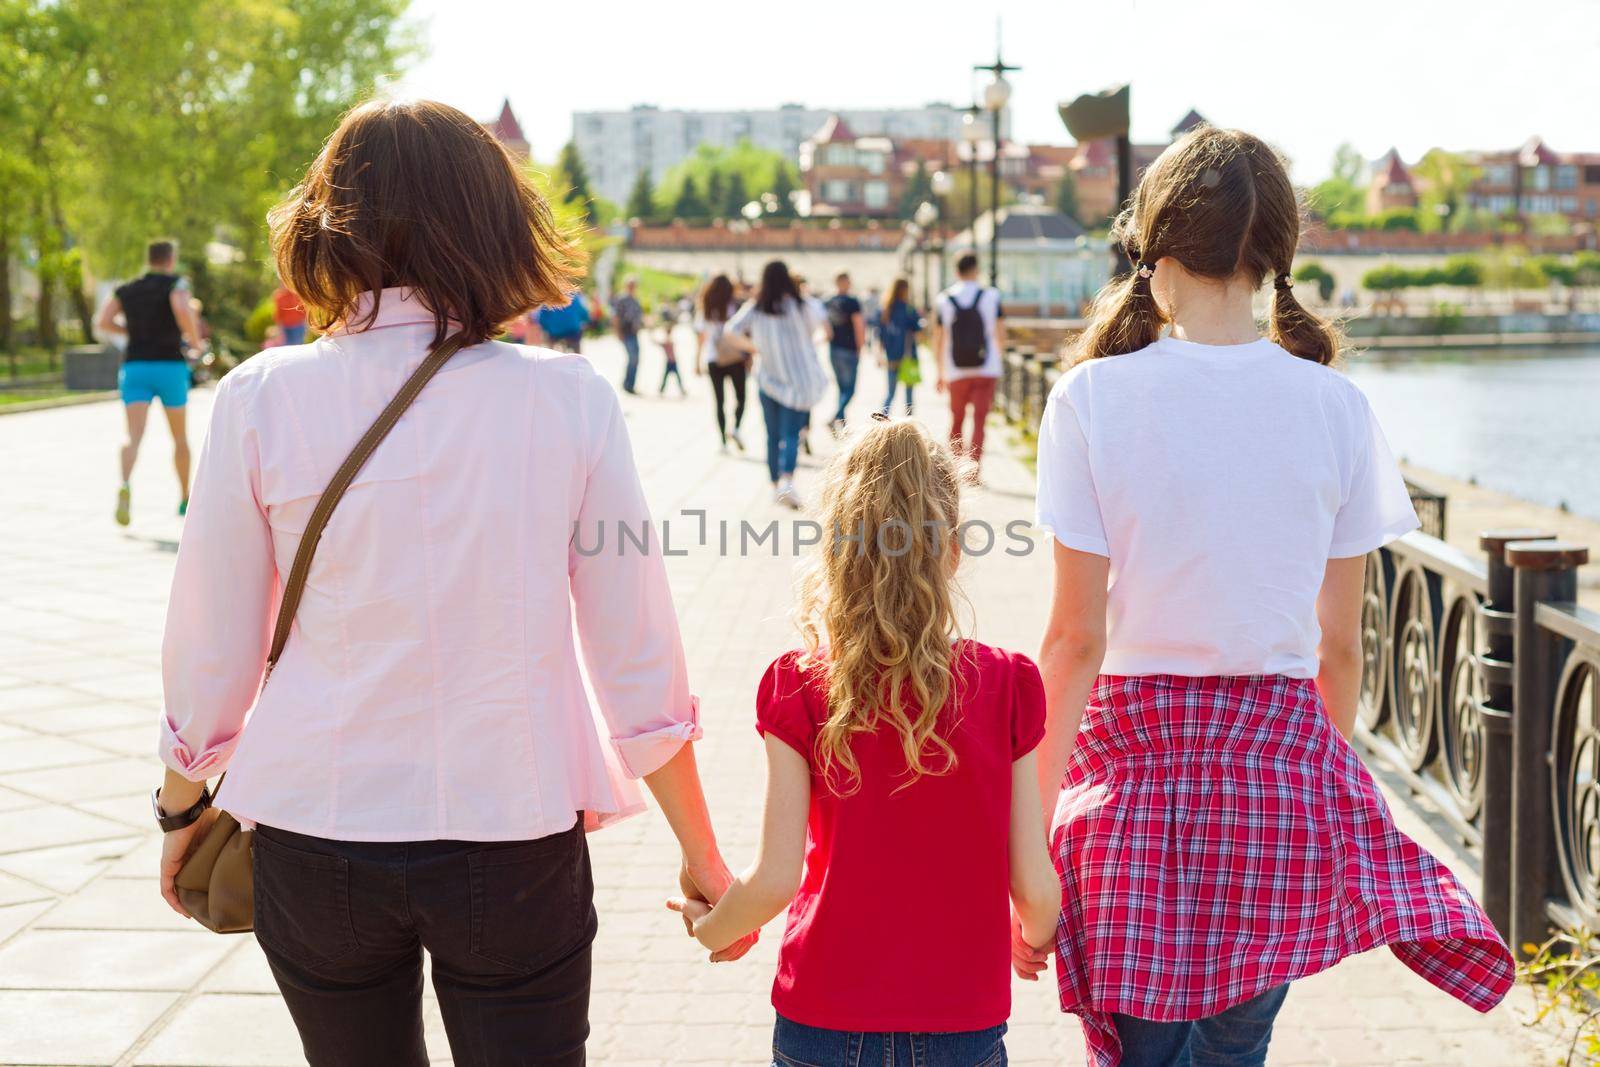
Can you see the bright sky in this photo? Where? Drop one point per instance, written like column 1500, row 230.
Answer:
column 1306, row 76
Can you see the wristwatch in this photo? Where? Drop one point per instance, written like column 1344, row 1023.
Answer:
column 169, row 823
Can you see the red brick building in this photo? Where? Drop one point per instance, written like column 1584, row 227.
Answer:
column 1392, row 185
column 1533, row 179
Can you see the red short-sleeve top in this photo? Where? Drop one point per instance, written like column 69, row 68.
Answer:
column 902, row 921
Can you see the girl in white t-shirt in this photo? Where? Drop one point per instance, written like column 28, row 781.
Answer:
column 1212, row 494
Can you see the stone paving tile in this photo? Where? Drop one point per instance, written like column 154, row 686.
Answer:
column 81, row 605
column 39, row 1027
column 31, row 828
column 108, row 959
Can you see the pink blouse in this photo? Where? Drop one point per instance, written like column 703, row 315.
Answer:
column 431, row 688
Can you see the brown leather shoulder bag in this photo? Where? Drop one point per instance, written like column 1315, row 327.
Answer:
column 216, row 883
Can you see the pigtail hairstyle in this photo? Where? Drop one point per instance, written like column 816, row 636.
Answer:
column 1125, row 316
column 1220, row 204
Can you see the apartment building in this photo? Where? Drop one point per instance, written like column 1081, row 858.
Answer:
column 617, row 145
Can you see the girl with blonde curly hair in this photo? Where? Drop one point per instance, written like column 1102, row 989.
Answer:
column 902, row 812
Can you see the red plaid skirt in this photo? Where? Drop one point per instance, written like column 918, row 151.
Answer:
column 1216, row 837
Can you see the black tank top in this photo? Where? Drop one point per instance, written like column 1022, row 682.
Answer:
column 153, row 331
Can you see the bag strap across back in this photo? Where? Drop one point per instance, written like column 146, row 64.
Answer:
column 342, row 478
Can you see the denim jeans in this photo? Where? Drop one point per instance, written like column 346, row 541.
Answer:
column 846, row 362
column 894, row 381
column 1237, row 1037
column 783, row 435
column 796, row 1045
column 630, row 376
column 509, row 925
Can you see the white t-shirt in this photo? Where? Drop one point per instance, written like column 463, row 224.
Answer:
column 989, row 309
column 1219, row 480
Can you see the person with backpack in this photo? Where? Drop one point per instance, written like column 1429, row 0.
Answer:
column 970, row 334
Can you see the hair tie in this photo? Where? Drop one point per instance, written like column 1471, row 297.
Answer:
column 1283, row 281
column 1146, row 270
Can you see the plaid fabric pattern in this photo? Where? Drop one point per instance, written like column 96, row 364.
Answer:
column 1217, row 837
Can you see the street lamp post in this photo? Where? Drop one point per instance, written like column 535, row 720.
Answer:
column 926, row 215
column 995, row 96
column 972, row 135
column 942, row 183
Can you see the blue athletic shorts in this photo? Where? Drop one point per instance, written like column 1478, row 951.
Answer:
column 142, row 380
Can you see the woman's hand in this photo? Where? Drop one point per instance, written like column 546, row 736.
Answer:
column 175, row 850
column 705, row 882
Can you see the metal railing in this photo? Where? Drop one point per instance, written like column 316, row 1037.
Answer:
column 1480, row 689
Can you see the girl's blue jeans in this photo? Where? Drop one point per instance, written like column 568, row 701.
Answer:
column 797, row 1045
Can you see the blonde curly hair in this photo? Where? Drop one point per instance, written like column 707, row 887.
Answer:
column 877, row 605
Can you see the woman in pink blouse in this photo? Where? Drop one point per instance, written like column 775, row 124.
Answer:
column 422, row 767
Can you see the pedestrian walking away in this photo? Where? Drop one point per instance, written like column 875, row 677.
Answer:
column 911, row 770
column 156, row 319
column 846, row 333
column 561, row 326
column 783, row 326
column 669, row 349
column 723, row 354
column 289, row 315
column 1216, row 835
column 628, row 315
column 419, row 796
column 899, row 324
column 969, row 338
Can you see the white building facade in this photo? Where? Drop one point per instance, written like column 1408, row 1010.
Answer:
column 616, row 145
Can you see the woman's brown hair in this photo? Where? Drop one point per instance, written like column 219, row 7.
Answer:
column 1219, row 202
column 716, row 298
column 416, row 195
column 899, row 293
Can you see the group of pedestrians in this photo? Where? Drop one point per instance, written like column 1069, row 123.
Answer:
column 1166, row 803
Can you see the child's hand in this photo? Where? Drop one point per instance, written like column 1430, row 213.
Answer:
column 1026, row 960
column 691, row 910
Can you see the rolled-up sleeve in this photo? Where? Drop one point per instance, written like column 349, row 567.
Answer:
column 224, row 588
column 627, row 627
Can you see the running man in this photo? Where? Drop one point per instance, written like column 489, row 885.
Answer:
column 157, row 320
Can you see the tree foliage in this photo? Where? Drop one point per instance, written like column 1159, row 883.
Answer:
column 642, row 197
column 573, row 177
column 187, row 119
column 1341, row 193
column 1445, row 178
column 712, row 169
column 1066, row 195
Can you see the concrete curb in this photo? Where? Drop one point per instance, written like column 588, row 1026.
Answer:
column 58, row 402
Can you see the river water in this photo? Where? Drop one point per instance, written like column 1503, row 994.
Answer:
column 1521, row 421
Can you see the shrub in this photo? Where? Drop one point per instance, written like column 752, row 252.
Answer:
column 1318, row 275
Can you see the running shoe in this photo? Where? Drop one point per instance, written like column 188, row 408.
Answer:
column 124, row 506
column 183, row 507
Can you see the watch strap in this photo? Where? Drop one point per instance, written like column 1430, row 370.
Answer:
column 179, row 820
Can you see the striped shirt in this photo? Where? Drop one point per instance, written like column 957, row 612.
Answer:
column 787, row 368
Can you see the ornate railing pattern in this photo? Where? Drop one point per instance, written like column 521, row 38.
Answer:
column 1480, row 688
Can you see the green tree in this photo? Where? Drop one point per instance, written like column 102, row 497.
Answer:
column 641, row 198
column 1341, row 192
column 574, row 176
column 1445, row 178
column 919, row 187
column 1316, row 274
column 1066, row 195
column 687, row 204
column 190, row 127
column 761, row 172
column 715, row 193
column 735, row 196
column 782, row 195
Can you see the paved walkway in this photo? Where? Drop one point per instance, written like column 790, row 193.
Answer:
column 95, row 970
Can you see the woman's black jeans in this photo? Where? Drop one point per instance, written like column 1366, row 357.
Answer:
column 509, row 926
